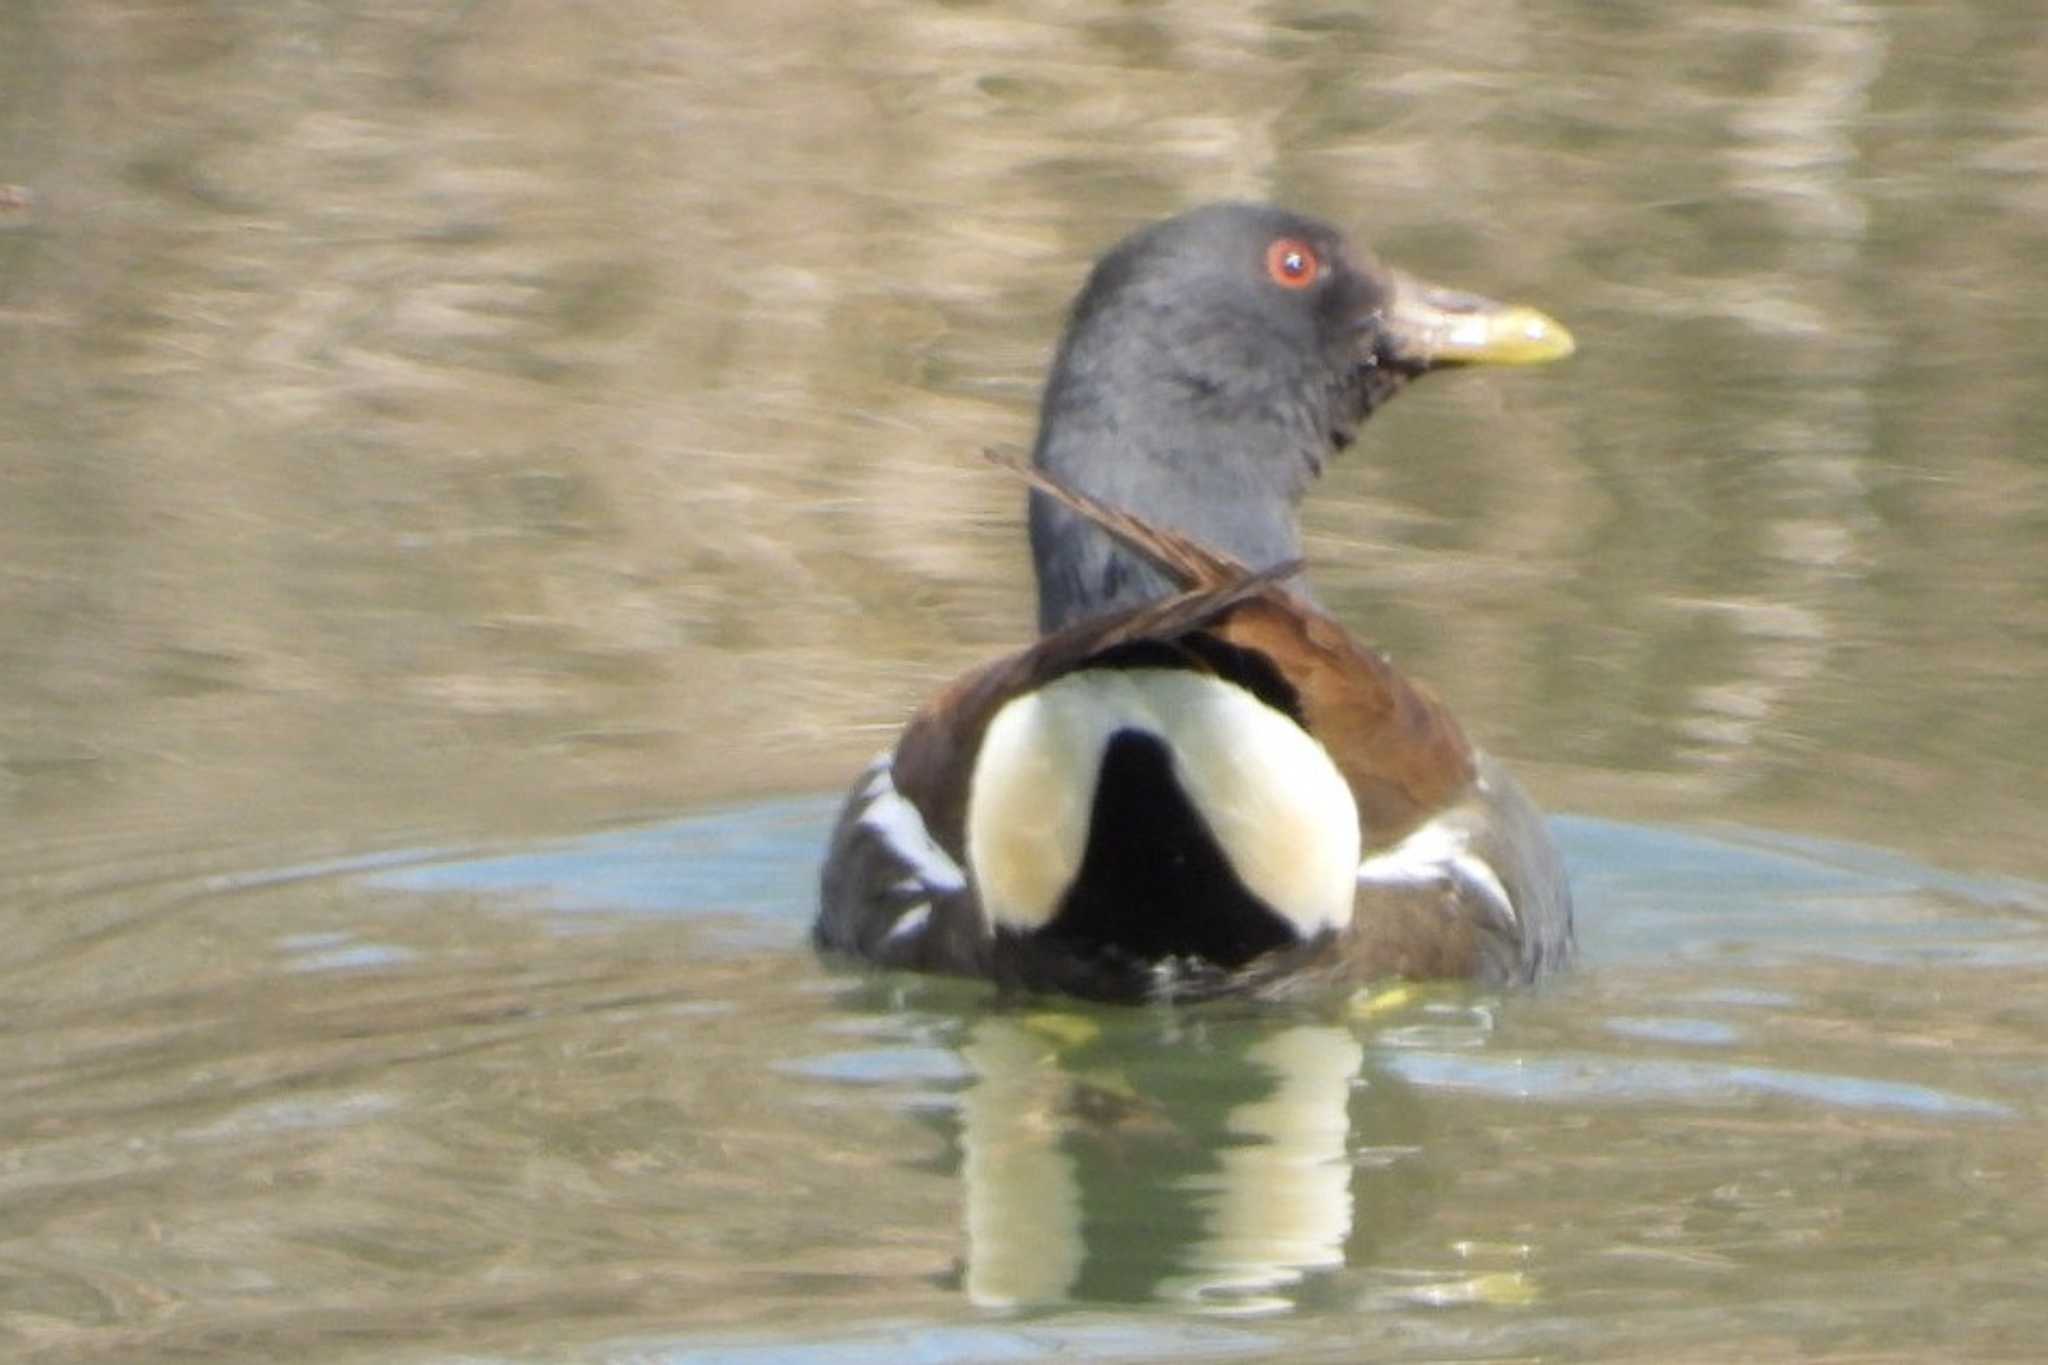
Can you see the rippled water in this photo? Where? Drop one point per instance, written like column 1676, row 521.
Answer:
column 592, row 1099
column 479, row 478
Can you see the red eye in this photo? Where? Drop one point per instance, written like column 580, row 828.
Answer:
column 1292, row 263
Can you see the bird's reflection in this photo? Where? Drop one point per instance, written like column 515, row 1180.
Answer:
column 1126, row 1156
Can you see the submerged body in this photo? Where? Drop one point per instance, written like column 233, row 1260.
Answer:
column 1196, row 782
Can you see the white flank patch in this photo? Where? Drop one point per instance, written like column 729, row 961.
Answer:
column 1275, row 802
column 1439, row 851
column 903, row 830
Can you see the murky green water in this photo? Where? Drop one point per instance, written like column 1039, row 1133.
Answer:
column 479, row 477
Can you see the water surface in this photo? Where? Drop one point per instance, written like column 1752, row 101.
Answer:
column 480, row 477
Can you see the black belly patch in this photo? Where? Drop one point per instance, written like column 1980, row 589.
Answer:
column 1154, row 883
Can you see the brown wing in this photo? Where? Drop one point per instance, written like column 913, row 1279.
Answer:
column 1399, row 747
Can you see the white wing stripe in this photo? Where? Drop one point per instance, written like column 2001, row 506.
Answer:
column 910, row 924
column 1438, row 851
column 903, row 830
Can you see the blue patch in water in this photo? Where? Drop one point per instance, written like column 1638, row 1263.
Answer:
column 339, row 951
column 1586, row 1076
column 758, row 861
column 1643, row 893
column 1745, row 996
column 355, row 958
column 944, row 1345
column 884, row 1066
column 1698, row 1032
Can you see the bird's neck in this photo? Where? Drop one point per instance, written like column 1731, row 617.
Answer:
column 1225, row 500
column 1200, row 432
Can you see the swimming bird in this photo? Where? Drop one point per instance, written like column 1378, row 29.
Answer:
column 1196, row 781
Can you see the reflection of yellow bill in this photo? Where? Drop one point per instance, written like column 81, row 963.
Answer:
column 1373, row 1002
column 1500, row 1289
column 1063, row 1028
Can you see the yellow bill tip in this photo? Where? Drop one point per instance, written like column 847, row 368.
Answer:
column 1430, row 325
column 1514, row 335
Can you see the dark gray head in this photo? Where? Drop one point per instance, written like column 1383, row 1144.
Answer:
column 1211, row 366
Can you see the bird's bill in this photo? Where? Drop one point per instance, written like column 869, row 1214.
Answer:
column 1425, row 326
